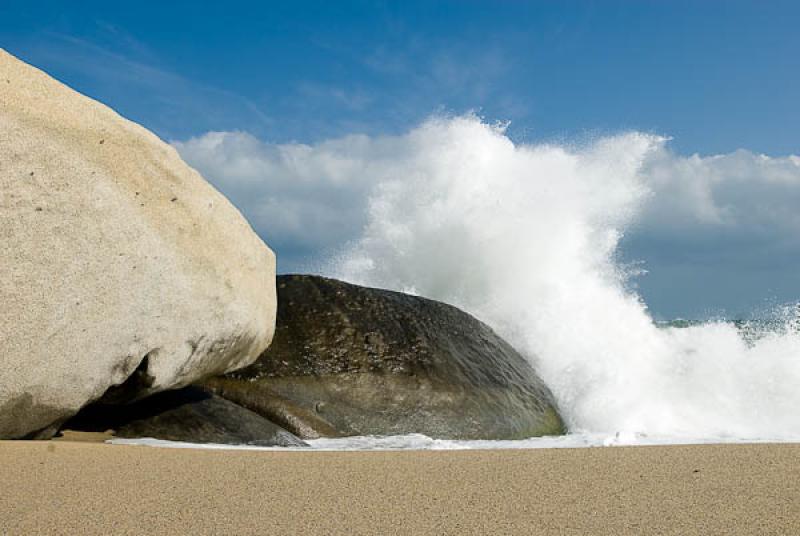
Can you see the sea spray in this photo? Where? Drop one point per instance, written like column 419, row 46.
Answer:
column 525, row 237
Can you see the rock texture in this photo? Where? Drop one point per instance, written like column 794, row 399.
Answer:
column 120, row 265
column 189, row 414
column 349, row 360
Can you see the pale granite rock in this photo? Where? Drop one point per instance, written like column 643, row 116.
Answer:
column 120, row 265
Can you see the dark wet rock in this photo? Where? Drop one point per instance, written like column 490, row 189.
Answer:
column 191, row 414
column 349, row 360
column 25, row 404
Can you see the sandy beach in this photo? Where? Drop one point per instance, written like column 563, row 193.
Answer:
column 71, row 487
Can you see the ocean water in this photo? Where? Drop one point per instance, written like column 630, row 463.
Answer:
column 526, row 238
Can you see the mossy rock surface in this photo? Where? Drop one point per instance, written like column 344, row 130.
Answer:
column 350, row 360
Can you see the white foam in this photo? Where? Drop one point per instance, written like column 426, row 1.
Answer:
column 525, row 238
column 422, row 442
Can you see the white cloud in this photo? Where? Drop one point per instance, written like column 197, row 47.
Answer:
column 302, row 199
column 739, row 192
column 309, row 201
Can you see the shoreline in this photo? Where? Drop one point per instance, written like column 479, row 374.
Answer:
column 60, row 487
column 419, row 442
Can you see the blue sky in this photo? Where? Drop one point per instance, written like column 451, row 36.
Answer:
column 714, row 76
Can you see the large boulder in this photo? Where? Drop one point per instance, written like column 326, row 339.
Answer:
column 350, row 360
column 190, row 414
column 120, row 265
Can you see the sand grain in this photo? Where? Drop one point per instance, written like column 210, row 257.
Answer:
column 72, row 488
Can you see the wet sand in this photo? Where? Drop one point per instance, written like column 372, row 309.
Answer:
column 64, row 487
